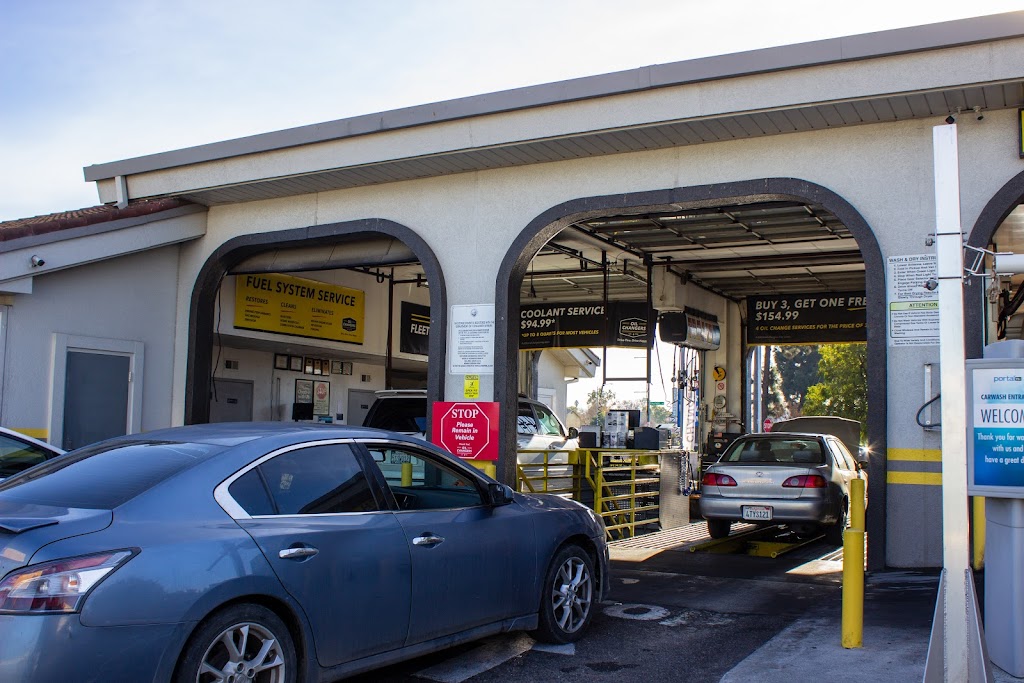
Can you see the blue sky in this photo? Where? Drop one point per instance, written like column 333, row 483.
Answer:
column 91, row 82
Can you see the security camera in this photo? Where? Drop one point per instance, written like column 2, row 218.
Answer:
column 977, row 111
column 37, row 261
column 950, row 119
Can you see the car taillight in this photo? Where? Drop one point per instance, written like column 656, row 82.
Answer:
column 806, row 481
column 58, row 586
column 716, row 479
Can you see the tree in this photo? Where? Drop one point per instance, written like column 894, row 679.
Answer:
column 598, row 401
column 842, row 391
column 798, row 370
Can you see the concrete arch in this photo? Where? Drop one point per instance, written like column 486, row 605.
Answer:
column 545, row 226
column 991, row 217
column 232, row 252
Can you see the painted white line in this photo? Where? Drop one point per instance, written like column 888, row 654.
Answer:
column 637, row 612
column 567, row 649
column 629, row 581
column 491, row 653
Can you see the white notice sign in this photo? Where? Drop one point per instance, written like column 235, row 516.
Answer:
column 913, row 308
column 471, row 340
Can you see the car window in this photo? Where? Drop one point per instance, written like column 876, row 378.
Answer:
column 842, row 455
column 526, row 421
column 548, row 423
column 420, row 481
column 399, row 414
column 783, row 451
column 105, row 475
column 324, row 479
column 16, row 455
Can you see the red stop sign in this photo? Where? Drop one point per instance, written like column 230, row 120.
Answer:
column 768, row 424
column 467, row 429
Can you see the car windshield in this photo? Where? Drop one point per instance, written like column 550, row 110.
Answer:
column 399, row 414
column 104, row 476
column 781, row 451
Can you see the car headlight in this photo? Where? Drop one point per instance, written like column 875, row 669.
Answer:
column 58, row 586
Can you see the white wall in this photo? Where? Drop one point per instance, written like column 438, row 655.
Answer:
column 130, row 298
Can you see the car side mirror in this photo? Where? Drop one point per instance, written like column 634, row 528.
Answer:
column 498, row 494
column 862, row 460
column 573, row 433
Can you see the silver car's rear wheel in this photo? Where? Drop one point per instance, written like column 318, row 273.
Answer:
column 242, row 644
column 567, row 597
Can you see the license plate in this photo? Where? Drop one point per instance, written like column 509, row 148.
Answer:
column 757, row 513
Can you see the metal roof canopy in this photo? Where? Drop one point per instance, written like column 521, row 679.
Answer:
column 781, row 247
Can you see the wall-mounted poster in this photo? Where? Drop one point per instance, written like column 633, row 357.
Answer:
column 303, row 308
column 303, row 391
column 321, row 397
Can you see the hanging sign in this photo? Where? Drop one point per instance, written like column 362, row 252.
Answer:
column 785, row 319
column 414, row 336
column 302, row 308
column 582, row 325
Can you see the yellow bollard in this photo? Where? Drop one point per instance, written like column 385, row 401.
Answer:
column 853, row 588
column 406, row 474
column 978, row 532
column 857, row 504
column 853, row 570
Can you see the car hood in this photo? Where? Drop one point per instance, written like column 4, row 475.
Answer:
column 27, row 527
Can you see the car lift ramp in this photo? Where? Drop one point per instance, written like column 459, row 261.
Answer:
column 758, row 542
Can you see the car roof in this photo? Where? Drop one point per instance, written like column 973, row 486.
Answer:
column 778, row 436
column 234, row 433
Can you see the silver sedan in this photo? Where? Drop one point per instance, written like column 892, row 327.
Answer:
column 801, row 480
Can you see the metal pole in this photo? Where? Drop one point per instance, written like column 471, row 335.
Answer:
column 955, row 531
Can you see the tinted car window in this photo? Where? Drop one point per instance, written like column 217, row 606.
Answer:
column 251, row 494
column 318, row 480
column 846, row 460
column 104, row 476
column 399, row 414
column 16, row 455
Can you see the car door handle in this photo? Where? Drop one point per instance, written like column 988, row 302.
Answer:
column 427, row 539
column 297, row 553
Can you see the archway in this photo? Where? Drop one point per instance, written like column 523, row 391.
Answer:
column 237, row 250
column 544, row 227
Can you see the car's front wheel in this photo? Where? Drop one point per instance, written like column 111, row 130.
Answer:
column 567, row 596
column 240, row 644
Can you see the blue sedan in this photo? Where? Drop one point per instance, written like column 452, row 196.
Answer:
column 278, row 553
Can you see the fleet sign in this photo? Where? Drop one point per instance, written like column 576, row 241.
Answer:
column 807, row 318
column 299, row 307
column 995, row 443
column 468, row 429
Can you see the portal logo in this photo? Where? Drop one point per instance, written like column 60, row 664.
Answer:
column 1008, row 378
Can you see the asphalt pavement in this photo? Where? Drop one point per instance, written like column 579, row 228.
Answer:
column 723, row 618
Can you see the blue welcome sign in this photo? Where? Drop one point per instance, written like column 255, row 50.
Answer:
column 995, row 439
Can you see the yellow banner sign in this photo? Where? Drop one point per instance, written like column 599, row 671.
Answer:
column 299, row 307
